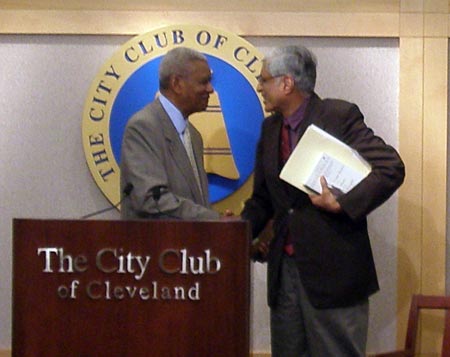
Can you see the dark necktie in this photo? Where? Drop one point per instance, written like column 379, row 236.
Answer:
column 285, row 151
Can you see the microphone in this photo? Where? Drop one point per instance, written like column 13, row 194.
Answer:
column 157, row 191
column 126, row 192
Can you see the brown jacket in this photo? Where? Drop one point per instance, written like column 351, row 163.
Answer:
column 332, row 251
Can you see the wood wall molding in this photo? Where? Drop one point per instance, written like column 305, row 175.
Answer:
column 325, row 24
column 211, row 5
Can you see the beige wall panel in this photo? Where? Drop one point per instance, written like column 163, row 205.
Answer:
column 435, row 181
column 211, row 5
column 435, row 25
column 435, row 5
column 326, row 25
column 435, row 168
column 248, row 24
column 410, row 202
column 411, row 25
column 411, row 5
column 448, row 25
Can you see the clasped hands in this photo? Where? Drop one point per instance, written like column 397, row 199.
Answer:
column 326, row 201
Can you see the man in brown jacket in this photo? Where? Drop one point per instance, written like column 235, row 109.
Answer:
column 320, row 264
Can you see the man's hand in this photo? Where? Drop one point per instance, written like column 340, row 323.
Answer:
column 326, row 200
column 228, row 215
column 259, row 248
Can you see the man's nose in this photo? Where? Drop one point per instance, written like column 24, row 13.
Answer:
column 210, row 88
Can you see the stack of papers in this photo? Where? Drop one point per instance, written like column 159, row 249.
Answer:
column 321, row 154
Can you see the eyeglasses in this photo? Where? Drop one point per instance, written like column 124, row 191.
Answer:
column 261, row 80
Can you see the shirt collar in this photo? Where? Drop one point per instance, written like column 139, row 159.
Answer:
column 174, row 114
column 294, row 120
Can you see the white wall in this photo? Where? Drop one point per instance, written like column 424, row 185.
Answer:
column 43, row 85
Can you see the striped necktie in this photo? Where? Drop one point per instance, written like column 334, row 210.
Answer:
column 190, row 152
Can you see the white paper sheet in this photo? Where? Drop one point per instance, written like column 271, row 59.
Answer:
column 309, row 150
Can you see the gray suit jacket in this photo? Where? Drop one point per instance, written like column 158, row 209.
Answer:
column 153, row 155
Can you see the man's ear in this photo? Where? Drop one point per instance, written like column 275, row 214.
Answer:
column 176, row 83
column 288, row 84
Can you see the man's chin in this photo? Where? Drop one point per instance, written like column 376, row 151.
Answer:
column 204, row 105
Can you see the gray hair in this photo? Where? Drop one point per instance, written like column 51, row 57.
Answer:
column 295, row 61
column 176, row 62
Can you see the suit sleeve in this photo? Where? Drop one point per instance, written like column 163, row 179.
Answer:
column 388, row 170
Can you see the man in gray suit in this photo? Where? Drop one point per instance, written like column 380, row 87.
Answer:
column 320, row 265
column 162, row 153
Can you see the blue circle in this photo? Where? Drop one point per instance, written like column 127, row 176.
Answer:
column 241, row 109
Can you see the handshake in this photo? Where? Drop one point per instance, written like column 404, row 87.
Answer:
column 260, row 246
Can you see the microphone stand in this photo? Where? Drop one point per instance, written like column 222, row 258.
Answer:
column 127, row 190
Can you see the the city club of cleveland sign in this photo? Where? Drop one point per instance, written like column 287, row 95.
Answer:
column 230, row 126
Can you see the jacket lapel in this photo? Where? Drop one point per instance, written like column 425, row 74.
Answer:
column 272, row 157
column 313, row 114
column 178, row 153
column 273, row 144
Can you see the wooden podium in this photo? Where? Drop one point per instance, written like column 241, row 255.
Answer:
column 130, row 288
